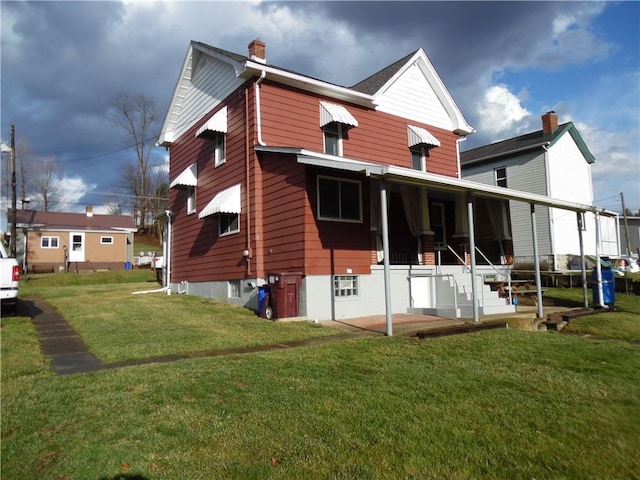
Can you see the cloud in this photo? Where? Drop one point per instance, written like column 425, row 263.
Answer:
column 500, row 111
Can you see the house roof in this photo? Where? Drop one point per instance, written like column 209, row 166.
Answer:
column 74, row 221
column 523, row 143
column 365, row 93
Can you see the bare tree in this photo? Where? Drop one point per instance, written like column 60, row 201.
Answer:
column 137, row 115
column 46, row 188
column 25, row 169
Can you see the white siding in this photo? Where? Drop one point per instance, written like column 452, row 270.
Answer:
column 211, row 82
column 412, row 97
column 525, row 172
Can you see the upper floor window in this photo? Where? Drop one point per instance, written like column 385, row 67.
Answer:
column 106, row 240
column 333, row 139
column 191, row 200
column 49, row 242
column 501, row 176
column 420, row 140
column 219, row 153
column 419, row 158
column 339, row 199
column 335, row 121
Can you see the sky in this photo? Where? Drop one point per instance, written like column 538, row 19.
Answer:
column 504, row 63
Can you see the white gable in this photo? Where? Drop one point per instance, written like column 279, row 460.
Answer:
column 204, row 83
column 412, row 97
column 416, row 92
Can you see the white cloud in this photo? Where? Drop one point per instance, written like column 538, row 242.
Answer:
column 72, row 189
column 500, row 111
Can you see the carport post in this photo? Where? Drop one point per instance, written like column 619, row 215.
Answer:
column 472, row 248
column 598, row 266
column 385, row 252
column 583, row 267
column 536, row 262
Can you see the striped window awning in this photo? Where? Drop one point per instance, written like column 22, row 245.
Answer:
column 330, row 112
column 215, row 125
column 421, row 136
column 188, row 178
column 226, row 201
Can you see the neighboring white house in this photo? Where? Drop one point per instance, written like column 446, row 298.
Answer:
column 555, row 162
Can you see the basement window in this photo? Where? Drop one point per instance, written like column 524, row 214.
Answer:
column 345, row 286
column 106, row 240
column 234, row 288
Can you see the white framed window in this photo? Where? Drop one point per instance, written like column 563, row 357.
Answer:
column 106, row 240
column 219, row 153
column 228, row 223
column 191, row 200
column 234, row 288
column 345, row 286
column 339, row 199
column 49, row 242
column 501, row 176
column 333, row 138
column 418, row 158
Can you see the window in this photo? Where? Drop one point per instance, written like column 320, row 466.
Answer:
column 219, row 153
column 234, row 288
column 339, row 199
column 418, row 158
column 76, row 243
column 228, row 223
column 49, row 242
column 501, row 176
column 106, row 240
column 191, row 200
column 345, row 286
column 438, row 224
column 333, row 139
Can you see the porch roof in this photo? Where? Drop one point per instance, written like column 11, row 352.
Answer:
column 415, row 177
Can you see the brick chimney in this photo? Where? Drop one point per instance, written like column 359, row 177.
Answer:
column 257, row 51
column 549, row 122
column 89, row 211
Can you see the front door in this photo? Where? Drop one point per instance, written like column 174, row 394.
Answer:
column 76, row 252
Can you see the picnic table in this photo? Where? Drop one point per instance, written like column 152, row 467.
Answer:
column 519, row 287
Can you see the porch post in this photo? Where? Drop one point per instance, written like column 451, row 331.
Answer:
column 385, row 250
column 583, row 267
column 536, row 262
column 472, row 248
column 598, row 266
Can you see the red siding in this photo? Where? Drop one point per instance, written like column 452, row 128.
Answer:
column 283, row 233
column 291, row 118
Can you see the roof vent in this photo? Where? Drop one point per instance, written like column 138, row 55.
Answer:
column 257, row 51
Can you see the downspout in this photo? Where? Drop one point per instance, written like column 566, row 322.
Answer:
column 598, row 266
column 258, row 116
column 247, row 177
column 169, row 233
column 458, row 142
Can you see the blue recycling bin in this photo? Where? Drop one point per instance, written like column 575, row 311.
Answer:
column 608, row 286
column 262, row 295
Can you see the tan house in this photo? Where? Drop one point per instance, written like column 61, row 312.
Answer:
column 55, row 241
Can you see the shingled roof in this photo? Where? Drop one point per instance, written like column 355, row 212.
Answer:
column 530, row 141
column 375, row 82
column 74, row 221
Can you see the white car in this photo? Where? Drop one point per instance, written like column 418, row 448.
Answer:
column 9, row 280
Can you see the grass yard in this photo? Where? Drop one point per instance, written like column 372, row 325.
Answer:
column 494, row 404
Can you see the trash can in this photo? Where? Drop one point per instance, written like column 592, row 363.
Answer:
column 264, row 309
column 127, row 265
column 608, row 285
column 284, row 292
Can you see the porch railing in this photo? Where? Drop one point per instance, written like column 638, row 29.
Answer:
column 499, row 273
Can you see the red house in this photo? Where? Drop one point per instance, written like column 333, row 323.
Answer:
column 346, row 201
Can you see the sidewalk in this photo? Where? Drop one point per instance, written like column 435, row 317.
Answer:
column 69, row 355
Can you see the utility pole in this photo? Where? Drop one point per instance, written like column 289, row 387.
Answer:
column 12, row 244
column 626, row 225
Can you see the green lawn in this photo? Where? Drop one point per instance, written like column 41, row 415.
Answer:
column 494, row 404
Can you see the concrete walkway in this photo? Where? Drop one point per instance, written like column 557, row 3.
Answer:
column 69, row 355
